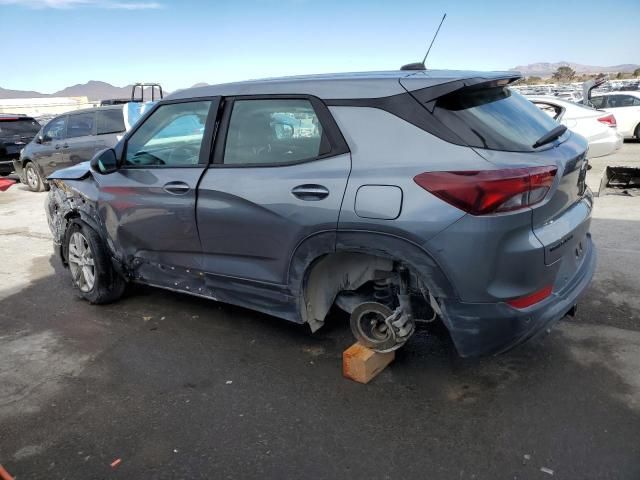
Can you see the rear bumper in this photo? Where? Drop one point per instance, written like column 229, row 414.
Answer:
column 6, row 167
column 605, row 144
column 491, row 328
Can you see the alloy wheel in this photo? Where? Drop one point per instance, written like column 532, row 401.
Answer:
column 81, row 262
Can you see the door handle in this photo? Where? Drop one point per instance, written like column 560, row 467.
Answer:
column 310, row 192
column 66, row 145
column 176, row 188
column 57, row 146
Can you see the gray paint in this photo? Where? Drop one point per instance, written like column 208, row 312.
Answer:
column 250, row 222
column 242, row 236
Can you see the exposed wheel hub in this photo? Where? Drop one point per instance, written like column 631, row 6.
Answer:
column 379, row 328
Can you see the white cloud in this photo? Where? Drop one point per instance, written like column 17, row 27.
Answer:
column 67, row 4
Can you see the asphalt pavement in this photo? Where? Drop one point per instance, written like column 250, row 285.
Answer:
column 167, row 386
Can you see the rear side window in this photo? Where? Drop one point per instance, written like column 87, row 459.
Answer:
column 616, row 101
column 23, row 127
column 494, row 118
column 110, row 121
column 80, row 125
column 273, row 132
column 599, row 102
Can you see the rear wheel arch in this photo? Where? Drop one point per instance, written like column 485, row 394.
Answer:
column 316, row 281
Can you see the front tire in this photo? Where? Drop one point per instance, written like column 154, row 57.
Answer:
column 33, row 180
column 89, row 262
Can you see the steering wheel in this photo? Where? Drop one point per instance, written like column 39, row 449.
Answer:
column 138, row 158
column 184, row 154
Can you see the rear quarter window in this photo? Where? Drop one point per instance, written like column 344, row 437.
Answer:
column 494, row 118
column 110, row 121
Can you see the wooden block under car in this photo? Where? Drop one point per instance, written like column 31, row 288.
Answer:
column 362, row 364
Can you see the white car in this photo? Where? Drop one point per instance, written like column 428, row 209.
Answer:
column 597, row 126
column 626, row 108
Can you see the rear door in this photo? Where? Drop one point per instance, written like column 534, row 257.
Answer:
column 149, row 204
column 280, row 171
column 80, row 141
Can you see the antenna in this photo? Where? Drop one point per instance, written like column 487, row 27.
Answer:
column 422, row 66
column 433, row 39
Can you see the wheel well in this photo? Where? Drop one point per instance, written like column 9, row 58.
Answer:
column 333, row 273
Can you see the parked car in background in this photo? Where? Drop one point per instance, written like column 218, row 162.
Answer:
column 569, row 96
column 597, row 126
column 72, row 138
column 626, row 108
column 397, row 196
column 16, row 131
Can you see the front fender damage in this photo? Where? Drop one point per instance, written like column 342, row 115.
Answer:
column 71, row 201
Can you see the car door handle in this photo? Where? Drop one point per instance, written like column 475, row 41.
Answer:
column 176, row 188
column 310, row 192
column 57, row 146
column 66, row 145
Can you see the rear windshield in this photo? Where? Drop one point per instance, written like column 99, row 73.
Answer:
column 495, row 118
column 23, row 127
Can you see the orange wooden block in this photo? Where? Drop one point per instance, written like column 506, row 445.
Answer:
column 362, row 364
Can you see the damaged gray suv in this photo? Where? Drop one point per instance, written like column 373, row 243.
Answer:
column 400, row 197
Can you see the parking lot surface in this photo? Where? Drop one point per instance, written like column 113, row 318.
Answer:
column 180, row 387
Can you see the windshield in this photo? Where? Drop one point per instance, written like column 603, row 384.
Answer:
column 494, row 118
column 23, row 127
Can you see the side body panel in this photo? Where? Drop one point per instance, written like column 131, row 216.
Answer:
column 145, row 221
column 250, row 222
column 387, row 150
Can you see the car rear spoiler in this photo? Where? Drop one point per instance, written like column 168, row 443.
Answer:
column 427, row 96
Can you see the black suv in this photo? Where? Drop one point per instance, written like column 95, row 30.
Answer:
column 16, row 131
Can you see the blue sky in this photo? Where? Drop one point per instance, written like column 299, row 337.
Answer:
column 56, row 43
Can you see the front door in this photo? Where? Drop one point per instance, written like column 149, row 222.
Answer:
column 278, row 179
column 149, row 204
column 49, row 155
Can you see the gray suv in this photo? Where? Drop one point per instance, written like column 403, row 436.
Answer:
column 400, row 197
column 67, row 140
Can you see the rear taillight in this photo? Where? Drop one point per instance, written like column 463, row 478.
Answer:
column 608, row 120
column 490, row 191
column 536, row 297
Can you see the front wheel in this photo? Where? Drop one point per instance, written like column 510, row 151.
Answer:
column 90, row 266
column 34, row 181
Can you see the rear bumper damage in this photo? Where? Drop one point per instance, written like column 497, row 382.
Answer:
column 492, row 328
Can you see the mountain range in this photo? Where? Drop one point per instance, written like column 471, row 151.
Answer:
column 547, row 69
column 93, row 90
column 96, row 90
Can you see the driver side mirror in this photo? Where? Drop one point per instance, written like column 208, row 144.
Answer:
column 104, row 162
column 39, row 139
